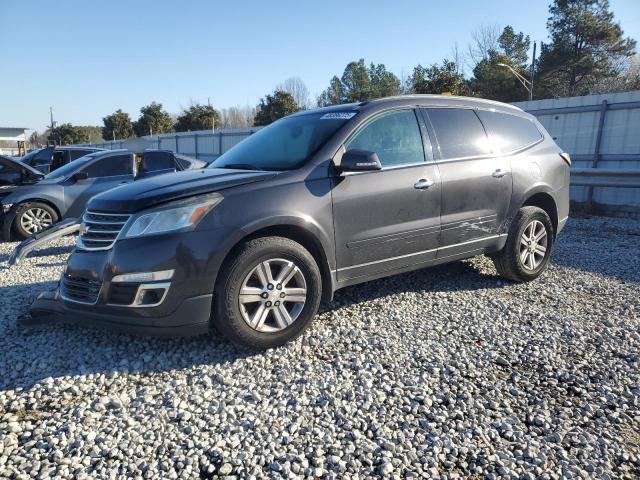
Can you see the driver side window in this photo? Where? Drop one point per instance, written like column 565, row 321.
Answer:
column 394, row 136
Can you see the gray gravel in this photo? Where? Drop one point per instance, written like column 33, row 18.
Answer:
column 444, row 373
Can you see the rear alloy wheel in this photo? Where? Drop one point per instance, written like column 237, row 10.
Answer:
column 533, row 245
column 528, row 248
column 267, row 294
column 33, row 217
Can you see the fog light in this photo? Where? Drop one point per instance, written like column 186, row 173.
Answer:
column 143, row 277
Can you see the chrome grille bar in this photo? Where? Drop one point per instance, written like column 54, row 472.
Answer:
column 101, row 230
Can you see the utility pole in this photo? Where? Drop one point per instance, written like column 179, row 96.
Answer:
column 533, row 70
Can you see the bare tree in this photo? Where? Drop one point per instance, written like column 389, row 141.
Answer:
column 458, row 58
column 483, row 40
column 237, row 117
column 298, row 90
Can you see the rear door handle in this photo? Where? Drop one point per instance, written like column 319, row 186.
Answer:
column 423, row 184
column 499, row 173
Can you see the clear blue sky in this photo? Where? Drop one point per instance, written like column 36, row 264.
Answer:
column 88, row 58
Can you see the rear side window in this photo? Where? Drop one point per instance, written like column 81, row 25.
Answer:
column 394, row 136
column 510, row 132
column 111, row 167
column 459, row 132
column 153, row 161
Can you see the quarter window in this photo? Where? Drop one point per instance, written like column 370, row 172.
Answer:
column 510, row 132
column 394, row 136
column 111, row 167
column 459, row 132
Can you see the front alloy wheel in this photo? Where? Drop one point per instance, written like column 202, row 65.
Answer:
column 267, row 293
column 33, row 217
column 272, row 295
column 35, row 220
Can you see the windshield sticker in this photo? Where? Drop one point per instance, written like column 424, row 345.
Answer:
column 338, row 116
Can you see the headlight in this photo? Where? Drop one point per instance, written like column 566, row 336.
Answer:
column 181, row 216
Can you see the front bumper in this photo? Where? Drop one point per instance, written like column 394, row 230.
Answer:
column 185, row 309
column 190, row 318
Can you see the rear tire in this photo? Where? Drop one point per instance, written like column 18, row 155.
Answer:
column 33, row 217
column 528, row 249
column 267, row 294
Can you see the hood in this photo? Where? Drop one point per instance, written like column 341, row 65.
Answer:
column 30, row 174
column 146, row 193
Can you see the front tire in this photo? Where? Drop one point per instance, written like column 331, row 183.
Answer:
column 528, row 249
column 267, row 294
column 33, row 217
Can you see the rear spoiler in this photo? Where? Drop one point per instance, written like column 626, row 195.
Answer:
column 60, row 229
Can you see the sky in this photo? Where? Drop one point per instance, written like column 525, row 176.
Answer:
column 88, row 58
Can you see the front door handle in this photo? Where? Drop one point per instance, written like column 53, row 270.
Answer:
column 423, row 184
column 499, row 173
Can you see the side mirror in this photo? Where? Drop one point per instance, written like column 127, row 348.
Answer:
column 76, row 177
column 359, row 161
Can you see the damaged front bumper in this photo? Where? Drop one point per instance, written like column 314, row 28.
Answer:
column 50, row 308
column 60, row 229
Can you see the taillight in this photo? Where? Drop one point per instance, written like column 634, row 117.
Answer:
column 566, row 157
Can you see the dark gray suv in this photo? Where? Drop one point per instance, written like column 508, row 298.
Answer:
column 312, row 203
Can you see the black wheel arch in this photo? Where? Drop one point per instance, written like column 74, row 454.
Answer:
column 546, row 202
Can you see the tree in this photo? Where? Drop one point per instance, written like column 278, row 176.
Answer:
column 383, row 82
column 298, row 90
column 198, row 117
column 360, row 83
column 67, row 134
column 333, row 95
column 484, row 39
column 494, row 81
column 438, row 79
column 587, row 47
column 273, row 107
column 356, row 82
column 117, row 126
column 153, row 120
column 237, row 117
column 627, row 80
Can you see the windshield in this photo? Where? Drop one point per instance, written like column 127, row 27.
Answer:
column 284, row 145
column 70, row 167
column 30, row 155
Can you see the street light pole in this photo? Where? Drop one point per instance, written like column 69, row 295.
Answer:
column 527, row 84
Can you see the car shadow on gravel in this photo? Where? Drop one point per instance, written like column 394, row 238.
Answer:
column 457, row 276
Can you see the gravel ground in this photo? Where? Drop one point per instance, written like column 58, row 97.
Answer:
column 448, row 372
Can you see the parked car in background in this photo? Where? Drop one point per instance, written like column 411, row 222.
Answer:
column 314, row 202
column 64, row 192
column 14, row 172
column 49, row 159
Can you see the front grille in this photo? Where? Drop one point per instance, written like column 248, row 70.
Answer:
column 79, row 289
column 123, row 294
column 101, row 230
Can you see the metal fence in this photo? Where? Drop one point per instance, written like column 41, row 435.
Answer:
column 202, row 144
column 602, row 134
